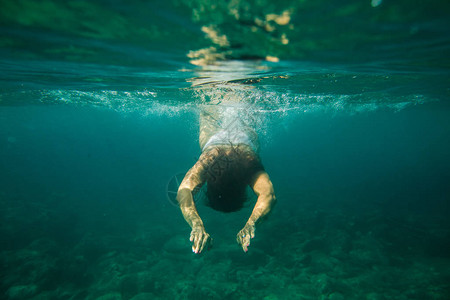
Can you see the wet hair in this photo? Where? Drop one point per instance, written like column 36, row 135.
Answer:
column 228, row 175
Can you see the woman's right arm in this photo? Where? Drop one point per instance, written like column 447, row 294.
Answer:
column 192, row 182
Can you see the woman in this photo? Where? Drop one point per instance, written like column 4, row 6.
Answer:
column 228, row 163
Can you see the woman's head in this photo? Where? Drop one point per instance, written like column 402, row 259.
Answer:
column 228, row 174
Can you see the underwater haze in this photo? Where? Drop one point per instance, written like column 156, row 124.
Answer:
column 99, row 118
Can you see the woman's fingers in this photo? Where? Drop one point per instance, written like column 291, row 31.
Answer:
column 199, row 240
column 243, row 238
column 203, row 242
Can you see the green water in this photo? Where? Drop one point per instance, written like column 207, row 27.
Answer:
column 99, row 106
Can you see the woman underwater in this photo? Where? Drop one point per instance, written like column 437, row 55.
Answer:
column 228, row 163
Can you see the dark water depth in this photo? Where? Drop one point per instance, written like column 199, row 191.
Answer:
column 362, row 213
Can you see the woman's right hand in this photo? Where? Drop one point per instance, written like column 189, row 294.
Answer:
column 200, row 239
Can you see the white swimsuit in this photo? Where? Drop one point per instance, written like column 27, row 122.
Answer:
column 231, row 138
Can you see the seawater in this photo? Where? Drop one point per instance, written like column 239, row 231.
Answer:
column 99, row 106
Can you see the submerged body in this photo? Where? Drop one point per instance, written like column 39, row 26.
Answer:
column 228, row 164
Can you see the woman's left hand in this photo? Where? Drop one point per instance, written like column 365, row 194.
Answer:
column 244, row 236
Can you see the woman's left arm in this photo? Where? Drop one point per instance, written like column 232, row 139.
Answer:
column 263, row 188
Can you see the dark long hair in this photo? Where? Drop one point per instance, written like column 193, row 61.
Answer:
column 228, row 175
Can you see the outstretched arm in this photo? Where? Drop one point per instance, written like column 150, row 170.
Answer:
column 192, row 181
column 263, row 188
